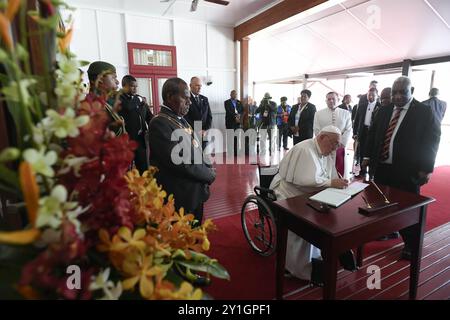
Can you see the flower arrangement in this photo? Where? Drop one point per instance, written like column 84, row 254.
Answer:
column 95, row 230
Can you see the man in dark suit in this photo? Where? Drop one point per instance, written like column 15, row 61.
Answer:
column 199, row 110
column 346, row 103
column 178, row 173
column 233, row 117
column 137, row 116
column 437, row 106
column 233, row 111
column 363, row 120
column 301, row 118
column 405, row 139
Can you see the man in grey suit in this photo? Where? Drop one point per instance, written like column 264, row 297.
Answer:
column 437, row 106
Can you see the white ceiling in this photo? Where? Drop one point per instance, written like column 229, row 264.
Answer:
column 230, row 15
column 353, row 33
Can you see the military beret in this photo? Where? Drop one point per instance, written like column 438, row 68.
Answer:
column 98, row 67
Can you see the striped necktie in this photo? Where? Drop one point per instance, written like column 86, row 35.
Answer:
column 389, row 133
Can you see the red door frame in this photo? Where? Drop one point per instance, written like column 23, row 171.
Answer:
column 152, row 72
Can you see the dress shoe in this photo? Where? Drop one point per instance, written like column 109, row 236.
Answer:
column 286, row 148
column 406, row 253
column 347, row 260
column 317, row 272
column 393, row 235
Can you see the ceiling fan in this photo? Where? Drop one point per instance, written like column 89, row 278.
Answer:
column 195, row 3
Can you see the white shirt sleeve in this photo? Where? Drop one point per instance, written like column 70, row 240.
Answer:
column 316, row 126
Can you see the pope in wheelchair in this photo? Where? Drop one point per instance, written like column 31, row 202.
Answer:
column 307, row 167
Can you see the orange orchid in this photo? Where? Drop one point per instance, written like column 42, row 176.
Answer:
column 64, row 42
column 30, row 192
column 5, row 22
column 144, row 272
column 11, row 10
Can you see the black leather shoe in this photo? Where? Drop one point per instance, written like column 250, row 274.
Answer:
column 317, row 272
column 347, row 260
column 406, row 253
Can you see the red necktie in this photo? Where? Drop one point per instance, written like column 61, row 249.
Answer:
column 389, row 132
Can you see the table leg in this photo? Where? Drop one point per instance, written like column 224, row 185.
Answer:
column 330, row 274
column 416, row 253
column 281, row 257
column 359, row 256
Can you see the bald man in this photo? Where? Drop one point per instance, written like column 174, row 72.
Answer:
column 199, row 110
column 404, row 140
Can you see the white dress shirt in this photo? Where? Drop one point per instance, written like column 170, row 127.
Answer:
column 297, row 117
column 402, row 116
column 340, row 118
column 369, row 112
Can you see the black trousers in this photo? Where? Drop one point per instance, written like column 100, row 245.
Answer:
column 296, row 140
column 141, row 159
column 283, row 132
column 387, row 175
column 362, row 145
column 198, row 214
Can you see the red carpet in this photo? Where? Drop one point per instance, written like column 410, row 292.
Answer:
column 252, row 276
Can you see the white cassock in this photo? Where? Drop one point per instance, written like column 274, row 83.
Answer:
column 340, row 118
column 302, row 170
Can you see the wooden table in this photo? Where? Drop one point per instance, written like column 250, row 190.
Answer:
column 344, row 228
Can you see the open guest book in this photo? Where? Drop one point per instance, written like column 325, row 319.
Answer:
column 335, row 197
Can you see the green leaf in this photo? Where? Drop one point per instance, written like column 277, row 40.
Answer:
column 22, row 54
column 9, row 177
column 50, row 22
column 12, row 260
column 212, row 267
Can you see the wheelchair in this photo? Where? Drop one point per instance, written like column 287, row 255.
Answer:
column 257, row 219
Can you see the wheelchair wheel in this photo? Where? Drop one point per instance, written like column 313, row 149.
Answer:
column 259, row 225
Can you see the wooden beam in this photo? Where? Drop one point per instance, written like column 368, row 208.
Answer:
column 244, row 70
column 277, row 13
column 407, row 68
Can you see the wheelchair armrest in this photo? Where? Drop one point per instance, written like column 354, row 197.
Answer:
column 265, row 193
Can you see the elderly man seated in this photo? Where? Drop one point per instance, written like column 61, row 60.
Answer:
column 309, row 167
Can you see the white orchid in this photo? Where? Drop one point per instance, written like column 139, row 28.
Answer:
column 40, row 161
column 64, row 125
column 72, row 162
column 52, row 208
column 68, row 79
column 102, row 282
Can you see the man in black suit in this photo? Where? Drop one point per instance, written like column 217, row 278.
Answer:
column 405, row 139
column 199, row 110
column 137, row 116
column 178, row 173
column 233, row 116
column 233, row 111
column 346, row 103
column 363, row 120
column 437, row 106
column 301, row 118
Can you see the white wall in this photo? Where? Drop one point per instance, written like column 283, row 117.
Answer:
column 203, row 49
